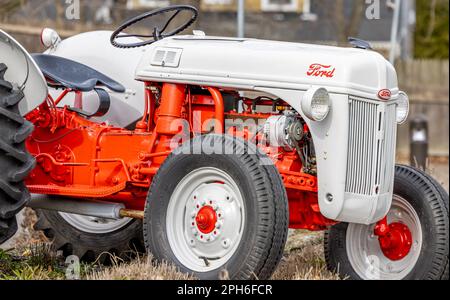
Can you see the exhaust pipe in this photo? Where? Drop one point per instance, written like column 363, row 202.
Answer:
column 90, row 208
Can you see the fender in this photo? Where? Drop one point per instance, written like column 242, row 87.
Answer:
column 23, row 72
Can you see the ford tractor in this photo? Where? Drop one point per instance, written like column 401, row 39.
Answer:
column 205, row 150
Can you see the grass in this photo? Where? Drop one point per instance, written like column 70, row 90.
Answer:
column 143, row 268
column 36, row 262
column 303, row 260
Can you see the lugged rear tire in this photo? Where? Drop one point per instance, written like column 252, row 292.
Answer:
column 15, row 161
column 124, row 241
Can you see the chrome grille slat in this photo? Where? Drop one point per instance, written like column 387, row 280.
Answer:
column 372, row 144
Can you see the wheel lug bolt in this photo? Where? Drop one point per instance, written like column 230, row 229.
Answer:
column 226, row 243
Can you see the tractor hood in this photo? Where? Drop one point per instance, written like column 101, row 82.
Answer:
column 23, row 72
column 251, row 63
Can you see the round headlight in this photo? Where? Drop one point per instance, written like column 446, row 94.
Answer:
column 316, row 104
column 402, row 108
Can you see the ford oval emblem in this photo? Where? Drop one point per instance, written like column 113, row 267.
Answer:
column 385, row 94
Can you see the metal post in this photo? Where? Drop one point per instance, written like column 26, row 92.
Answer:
column 407, row 28
column 419, row 142
column 241, row 19
column 394, row 31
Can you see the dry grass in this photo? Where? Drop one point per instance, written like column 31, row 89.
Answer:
column 304, row 258
column 140, row 269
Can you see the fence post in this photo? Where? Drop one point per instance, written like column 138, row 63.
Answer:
column 419, row 142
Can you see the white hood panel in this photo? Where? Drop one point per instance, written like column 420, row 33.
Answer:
column 248, row 63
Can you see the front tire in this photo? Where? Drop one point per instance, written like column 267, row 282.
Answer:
column 421, row 204
column 213, row 213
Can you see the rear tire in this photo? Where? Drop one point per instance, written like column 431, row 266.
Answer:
column 245, row 200
column 15, row 161
column 74, row 235
column 421, row 198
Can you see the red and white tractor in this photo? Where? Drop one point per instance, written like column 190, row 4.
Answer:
column 205, row 150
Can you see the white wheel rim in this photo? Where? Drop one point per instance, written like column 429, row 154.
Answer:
column 364, row 251
column 205, row 187
column 93, row 224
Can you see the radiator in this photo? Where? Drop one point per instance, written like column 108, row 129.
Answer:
column 372, row 146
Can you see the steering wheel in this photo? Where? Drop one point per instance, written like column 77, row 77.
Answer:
column 158, row 33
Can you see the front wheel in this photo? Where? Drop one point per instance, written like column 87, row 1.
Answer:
column 218, row 212
column 419, row 242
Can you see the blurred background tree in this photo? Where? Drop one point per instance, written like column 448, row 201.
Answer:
column 9, row 6
column 432, row 31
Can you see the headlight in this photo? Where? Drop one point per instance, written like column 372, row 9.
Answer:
column 402, row 108
column 316, row 104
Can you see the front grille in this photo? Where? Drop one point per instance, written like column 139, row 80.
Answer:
column 372, row 145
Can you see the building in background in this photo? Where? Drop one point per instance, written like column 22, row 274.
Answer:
column 322, row 21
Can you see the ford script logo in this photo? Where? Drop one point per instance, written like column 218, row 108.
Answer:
column 319, row 70
column 385, row 94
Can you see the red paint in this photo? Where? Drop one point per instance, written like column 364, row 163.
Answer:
column 385, row 94
column 319, row 70
column 395, row 239
column 83, row 159
column 206, row 220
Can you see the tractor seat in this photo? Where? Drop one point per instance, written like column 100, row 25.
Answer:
column 73, row 75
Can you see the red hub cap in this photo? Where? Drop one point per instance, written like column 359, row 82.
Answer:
column 395, row 240
column 206, row 220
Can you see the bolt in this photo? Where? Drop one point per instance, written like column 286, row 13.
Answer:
column 390, row 267
column 192, row 243
column 218, row 225
column 226, row 243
